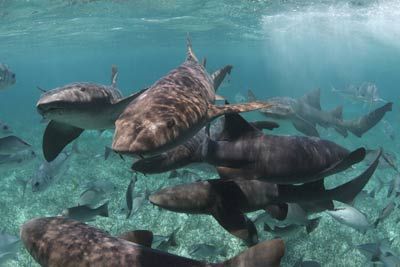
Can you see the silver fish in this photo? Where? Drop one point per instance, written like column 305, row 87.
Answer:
column 17, row 158
column 9, row 245
column 103, row 185
column 385, row 212
column 351, row 217
column 12, row 144
column 91, row 197
column 85, row 213
column 47, row 173
column 4, row 129
column 7, row 77
column 203, row 251
column 365, row 93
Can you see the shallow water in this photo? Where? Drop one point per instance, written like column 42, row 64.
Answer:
column 277, row 48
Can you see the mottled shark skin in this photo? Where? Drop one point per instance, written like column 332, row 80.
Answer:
column 60, row 242
column 171, row 111
column 228, row 200
column 305, row 113
column 244, row 152
column 76, row 107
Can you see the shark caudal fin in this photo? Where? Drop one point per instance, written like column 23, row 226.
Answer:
column 361, row 125
column 267, row 254
column 57, row 136
column 219, row 76
column 347, row 192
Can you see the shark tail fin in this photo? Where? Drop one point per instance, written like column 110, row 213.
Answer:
column 103, row 210
column 347, row 192
column 268, row 253
column 114, row 75
column 361, row 125
column 190, row 56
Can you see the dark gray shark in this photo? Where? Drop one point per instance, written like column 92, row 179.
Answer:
column 228, row 200
column 189, row 152
column 56, row 242
column 305, row 113
column 76, row 107
column 171, row 111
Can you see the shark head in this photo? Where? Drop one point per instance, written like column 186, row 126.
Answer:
column 71, row 102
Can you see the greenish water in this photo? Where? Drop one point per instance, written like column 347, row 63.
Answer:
column 277, row 48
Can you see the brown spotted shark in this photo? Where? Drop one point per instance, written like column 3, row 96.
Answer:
column 228, row 200
column 76, row 107
column 305, row 113
column 171, row 111
column 61, row 242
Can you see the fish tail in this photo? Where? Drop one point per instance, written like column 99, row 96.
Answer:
column 103, row 210
column 267, row 253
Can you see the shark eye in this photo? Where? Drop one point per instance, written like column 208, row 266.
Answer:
column 83, row 89
column 13, row 75
column 36, row 184
column 5, row 127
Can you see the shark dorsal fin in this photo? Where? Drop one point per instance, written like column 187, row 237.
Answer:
column 313, row 98
column 251, row 96
column 236, row 126
column 337, row 112
column 190, row 56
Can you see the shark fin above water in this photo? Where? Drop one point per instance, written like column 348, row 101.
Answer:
column 57, row 136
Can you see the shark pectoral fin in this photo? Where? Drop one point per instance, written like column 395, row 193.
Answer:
column 267, row 253
column 216, row 111
column 236, row 223
column 313, row 98
column 120, row 105
column 347, row 192
column 56, row 136
column 261, row 125
column 140, row 237
column 352, row 158
column 304, row 127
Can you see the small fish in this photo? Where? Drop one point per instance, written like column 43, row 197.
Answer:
column 380, row 252
column 47, row 172
column 351, row 217
column 4, row 129
column 203, row 251
column 12, row 144
column 103, row 185
column 385, row 212
column 129, row 195
column 306, row 263
column 394, row 186
column 7, row 77
column 388, row 130
column 17, row 158
column 91, row 197
column 292, row 228
column 9, row 245
column 85, row 213
column 164, row 242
